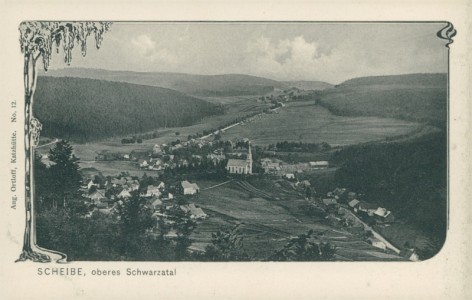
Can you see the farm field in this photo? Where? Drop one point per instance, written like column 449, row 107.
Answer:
column 307, row 122
column 113, row 168
column 270, row 216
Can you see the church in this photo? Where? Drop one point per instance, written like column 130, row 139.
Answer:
column 241, row 166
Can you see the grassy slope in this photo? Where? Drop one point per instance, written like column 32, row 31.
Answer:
column 199, row 85
column 307, row 122
column 415, row 97
column 268, row 223
column 86, row 109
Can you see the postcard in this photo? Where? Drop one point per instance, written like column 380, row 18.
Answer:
column 249, row 156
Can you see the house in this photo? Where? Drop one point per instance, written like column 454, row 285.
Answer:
column 377, row 243
column 353, row 204
column 290, row 176
column 216, row 157
column 329, row 201
column 189, row 188
column 90, row 184
column 384, row 215
column 152, row 191
column 319, row 164
column 124, row 194
column 196, row 212
column 143, row 164
column 97, row 196
column 167, row 196
column 368, row 208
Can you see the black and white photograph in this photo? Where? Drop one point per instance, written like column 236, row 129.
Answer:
column 274, row 153
column 244, row 141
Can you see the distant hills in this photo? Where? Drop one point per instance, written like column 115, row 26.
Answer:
column 91, row 104
column 196, row 85
column 309, row 85
column 86, row 109
column 415, row 97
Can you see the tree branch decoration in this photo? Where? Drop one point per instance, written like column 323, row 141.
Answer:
column 37, row 40
column 447, row 33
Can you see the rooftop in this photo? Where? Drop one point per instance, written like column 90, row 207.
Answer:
column 237, row 163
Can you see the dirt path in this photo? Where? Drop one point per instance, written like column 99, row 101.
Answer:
column 217, row 185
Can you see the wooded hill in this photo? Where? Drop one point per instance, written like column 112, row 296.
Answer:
column 409, row 178
column 414, row 97
column 86, row 110
column 191, row 84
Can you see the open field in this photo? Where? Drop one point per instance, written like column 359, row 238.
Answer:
column 113, row 168
column 307, row 122
column 270, row 215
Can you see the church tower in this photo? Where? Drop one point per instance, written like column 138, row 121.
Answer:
column 249, row 159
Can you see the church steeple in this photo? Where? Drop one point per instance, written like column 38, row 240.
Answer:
column 249, row 159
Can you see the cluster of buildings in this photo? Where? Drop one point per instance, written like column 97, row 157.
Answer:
column 105, row 197
column 355, row 212
column 276, row 166
column 368, row 211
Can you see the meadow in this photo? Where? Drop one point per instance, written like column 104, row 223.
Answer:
column 310, row 123
column 270, row 215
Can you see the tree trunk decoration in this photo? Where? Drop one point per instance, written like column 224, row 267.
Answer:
column 36, row 40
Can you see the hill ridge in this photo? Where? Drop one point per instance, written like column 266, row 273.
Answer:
column 82, row 109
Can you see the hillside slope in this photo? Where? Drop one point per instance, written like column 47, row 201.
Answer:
column 197, row 85
column 84, row 109
column 309, row 85
column 414, row 97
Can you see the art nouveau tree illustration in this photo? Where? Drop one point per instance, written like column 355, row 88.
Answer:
column 37, row 41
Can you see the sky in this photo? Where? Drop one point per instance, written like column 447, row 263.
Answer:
column 331, row 52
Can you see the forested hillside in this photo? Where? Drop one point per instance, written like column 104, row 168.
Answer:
column 414, row 97
column 85, row 110
column 191, row 84
column 409, row 178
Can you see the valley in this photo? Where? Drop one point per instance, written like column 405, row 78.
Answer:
column 348, row 117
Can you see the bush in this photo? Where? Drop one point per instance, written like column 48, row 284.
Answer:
column 304, row 248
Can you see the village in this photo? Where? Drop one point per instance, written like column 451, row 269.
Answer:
column 179, row 165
